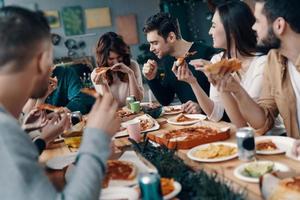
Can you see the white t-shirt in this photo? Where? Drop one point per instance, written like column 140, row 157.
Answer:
column 295, row 79
column 251, row 81
column 119, row 89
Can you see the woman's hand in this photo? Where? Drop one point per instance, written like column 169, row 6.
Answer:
column 121, row 67
column 183, row 73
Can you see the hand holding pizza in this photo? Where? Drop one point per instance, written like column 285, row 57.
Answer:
column 183, row 73
column 228, row 83
column 121, row 67
column 150, row 69
column 35, row 120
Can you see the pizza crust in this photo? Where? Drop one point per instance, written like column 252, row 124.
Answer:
column 231, row 65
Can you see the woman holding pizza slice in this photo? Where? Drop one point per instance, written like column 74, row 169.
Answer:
column 116, row 70
column 231, row 31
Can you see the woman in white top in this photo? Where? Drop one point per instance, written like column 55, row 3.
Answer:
column 124, row 78
column 231, row 31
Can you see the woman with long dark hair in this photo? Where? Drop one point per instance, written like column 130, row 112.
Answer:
column 124, row 78
column 231, row 31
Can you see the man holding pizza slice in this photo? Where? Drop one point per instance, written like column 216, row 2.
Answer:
column 24, row 73
column 166, row 43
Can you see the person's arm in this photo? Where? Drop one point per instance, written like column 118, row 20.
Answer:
column 77, row 101
column 20, row 171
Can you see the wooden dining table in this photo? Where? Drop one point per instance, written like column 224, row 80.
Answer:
column 224, row 169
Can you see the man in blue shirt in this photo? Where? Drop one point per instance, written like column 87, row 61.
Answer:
column 25, row 62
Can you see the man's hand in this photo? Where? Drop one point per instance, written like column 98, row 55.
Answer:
column 56, row 125
column 191, row 107
column 150, row 69
column 35, row 120
column 103, row 115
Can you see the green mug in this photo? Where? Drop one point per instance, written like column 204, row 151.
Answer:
column 135, row 106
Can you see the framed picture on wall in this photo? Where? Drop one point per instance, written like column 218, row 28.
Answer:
column 73, row 20
column 97, row 17
column 53, row 18
column 127, row 28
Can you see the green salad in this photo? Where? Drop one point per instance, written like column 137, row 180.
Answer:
column 257, row 169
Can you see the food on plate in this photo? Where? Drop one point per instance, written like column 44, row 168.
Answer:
column 152, row 109
column 288, row 188
column 146, row 123
column 171, row 109
column 215, row 151
column 119, row 170
column 231, row 65
column 257, row 169
column 266, row 145
column 90, row 91
column 187, row 138
column 167, row 185
column 124, row 113
column 183, row 118
column 49, row 107
column 180, row 60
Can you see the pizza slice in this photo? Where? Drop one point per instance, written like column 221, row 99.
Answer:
column 119, row 170
column 181, row 59
column 90, row 92
column 102, row 70
column 231, row 65
column 183, row 118
column 52, row 108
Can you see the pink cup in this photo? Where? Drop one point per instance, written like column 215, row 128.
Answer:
column 134, row 130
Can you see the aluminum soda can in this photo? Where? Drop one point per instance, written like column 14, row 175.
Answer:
column 150, row 186
column 245, row 143
column 130, row 99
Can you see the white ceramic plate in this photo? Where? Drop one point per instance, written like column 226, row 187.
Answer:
column 282, row 143
column 177, row 189
column 112, row 193
column 61, row 162
column 197, row 117
column 238, row 172
column 172, row 112
column 124, row 124
column 191, row 153
column 127, row 156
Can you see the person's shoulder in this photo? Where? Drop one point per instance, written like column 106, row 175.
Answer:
column 134, row 64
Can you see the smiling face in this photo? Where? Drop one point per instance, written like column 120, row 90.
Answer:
column 264, row 30
column 158, row 45
column 217, row 32
column 114, row 58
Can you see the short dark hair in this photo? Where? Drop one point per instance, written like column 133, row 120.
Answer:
column 20, row 32
column 164, row 23
column 287, row 9
column 238, row 19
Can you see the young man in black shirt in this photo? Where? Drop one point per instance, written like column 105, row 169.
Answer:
column 167, row 44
